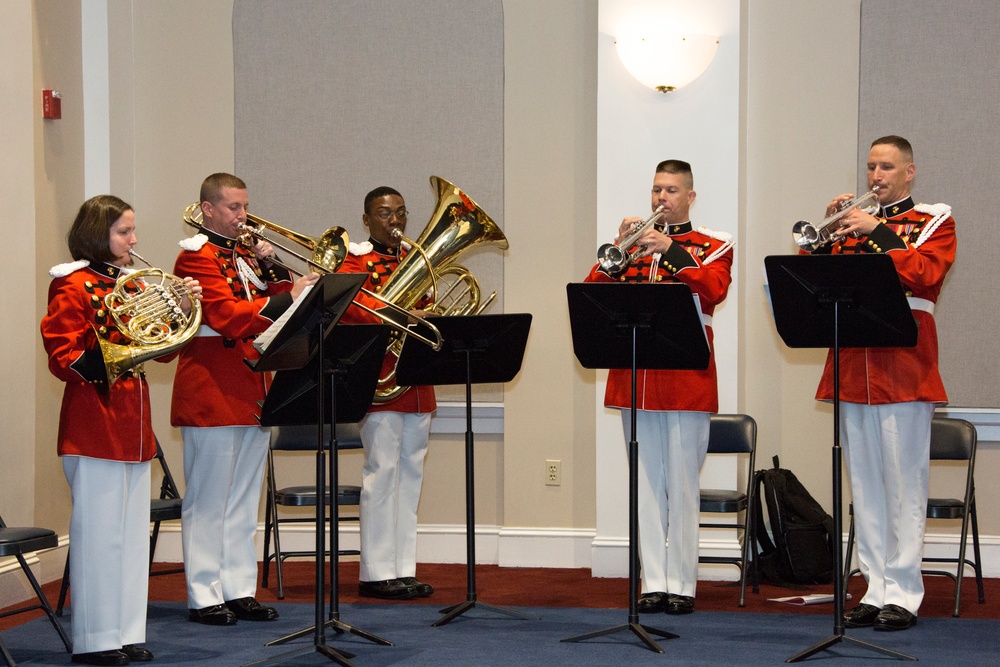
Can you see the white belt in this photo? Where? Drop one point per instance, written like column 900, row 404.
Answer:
column 916, row 303
column 706, row 320
column 205, row 330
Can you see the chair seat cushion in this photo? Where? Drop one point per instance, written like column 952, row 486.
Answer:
column 165, row 509
column 302, row 496
column 15, row 540
column 722, row 501
column 945, row 508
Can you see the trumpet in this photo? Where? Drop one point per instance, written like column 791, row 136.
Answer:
column 812, row 237
column 151, row 318
column 329, row 253
column 615, row 257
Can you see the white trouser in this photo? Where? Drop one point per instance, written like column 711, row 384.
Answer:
column 672, row 449
column 888, row 456
column 223, row 473
column 109, row 552
column 395, row 446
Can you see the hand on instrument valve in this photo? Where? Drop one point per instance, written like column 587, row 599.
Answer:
column 195, row 288
column 856, row 221
column 302, row 282
column 263, row 250
column 652, row 242
column 627, row 225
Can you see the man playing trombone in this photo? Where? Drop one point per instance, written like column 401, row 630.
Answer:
column 394, row 433
column 888, row 395
column 672, row 406
column 214, row 403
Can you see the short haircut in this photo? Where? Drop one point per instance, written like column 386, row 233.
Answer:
column 899, row 142
column 211, row 187
column 90, row 235
column 677, row 167
column 380, row 191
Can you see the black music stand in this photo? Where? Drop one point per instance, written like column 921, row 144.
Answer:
column 618, row 325
column 301, row 344
column 476, row 348
column 839, row 301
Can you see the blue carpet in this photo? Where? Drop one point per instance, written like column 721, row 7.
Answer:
column 482, row 637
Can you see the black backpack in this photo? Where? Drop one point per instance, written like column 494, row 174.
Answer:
column 802, row 551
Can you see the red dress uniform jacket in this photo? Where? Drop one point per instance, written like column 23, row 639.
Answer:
column 95, row 420
column 702, row 260
column 213, row 386
column 379, row 261
column 921, row 242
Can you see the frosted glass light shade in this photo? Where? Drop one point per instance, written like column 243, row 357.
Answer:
column 666, row 62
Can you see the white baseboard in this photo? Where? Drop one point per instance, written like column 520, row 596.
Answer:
column 553, row 547
column 495, row 545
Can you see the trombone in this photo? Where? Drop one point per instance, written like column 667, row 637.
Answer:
column 329, row 253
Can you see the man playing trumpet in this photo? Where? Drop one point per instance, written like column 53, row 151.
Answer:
column 888, row 395
column 672, row 406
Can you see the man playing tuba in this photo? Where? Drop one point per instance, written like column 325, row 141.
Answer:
column 394, row 433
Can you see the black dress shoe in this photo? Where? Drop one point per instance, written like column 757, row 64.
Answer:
column 390, row 589
column 894, row 617
column 678, row 604
column 115, row 657
column 217, row 614
column 137, row 653
column 651, row 603
column 423, row 590
column 248, row 609
column 862, row 616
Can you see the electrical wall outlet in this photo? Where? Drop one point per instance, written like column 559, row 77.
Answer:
column 553, row 472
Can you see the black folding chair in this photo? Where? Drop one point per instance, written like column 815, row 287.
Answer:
column 301, row 438
column 951, row 440
column 17, row 542
column 732, row 434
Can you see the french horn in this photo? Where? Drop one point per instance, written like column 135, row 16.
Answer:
column 145, row 306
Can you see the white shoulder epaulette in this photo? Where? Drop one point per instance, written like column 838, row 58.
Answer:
column 358, row 249
column 63, row 270
column 193, row 243
column 727, row 243
column 941, row 212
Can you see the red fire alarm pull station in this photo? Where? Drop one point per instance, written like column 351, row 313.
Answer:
column 51, row 104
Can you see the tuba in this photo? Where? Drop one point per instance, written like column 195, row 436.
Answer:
column 456, row 225
column 146, row 307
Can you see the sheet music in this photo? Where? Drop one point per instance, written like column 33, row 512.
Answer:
column 701, row 316
column 262, row 341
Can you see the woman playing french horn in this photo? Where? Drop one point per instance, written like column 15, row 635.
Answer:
column 105, row 436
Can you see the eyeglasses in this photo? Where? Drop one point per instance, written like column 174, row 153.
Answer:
column 385, row 215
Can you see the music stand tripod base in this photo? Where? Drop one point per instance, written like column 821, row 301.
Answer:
column 839, row 301
column 617, row 325
column 476, row 349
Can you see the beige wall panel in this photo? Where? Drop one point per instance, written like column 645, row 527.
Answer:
column 550, row 146
column 19, row 108
column 801, row 129
column 58, row 165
